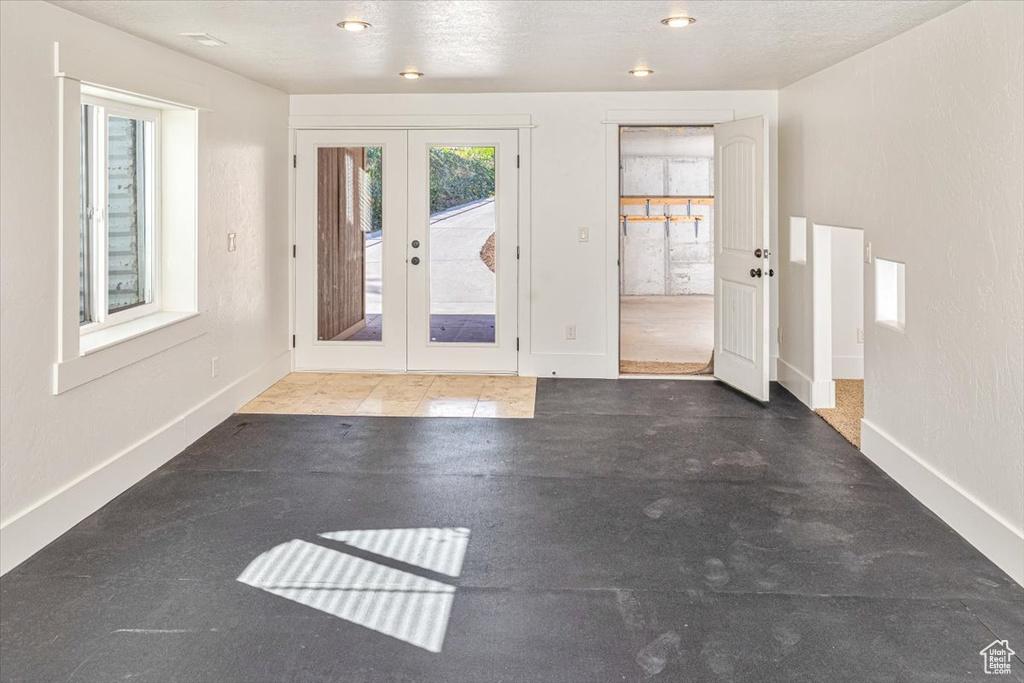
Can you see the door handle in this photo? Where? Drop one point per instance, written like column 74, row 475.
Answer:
column 415, row 260
column 755, row 272
column 415, row 244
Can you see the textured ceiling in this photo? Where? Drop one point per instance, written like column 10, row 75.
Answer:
column 517, row 46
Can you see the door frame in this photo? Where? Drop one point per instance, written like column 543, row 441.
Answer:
column 521, row 122
column 613, row 121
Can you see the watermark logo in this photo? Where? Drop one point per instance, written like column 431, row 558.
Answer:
column 998, row 657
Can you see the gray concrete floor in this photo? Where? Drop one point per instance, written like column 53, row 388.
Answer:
column 635, row 530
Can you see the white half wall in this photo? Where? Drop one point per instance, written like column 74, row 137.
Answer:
column 563, row 280
column 847, row 303
column 918, row 141
column 62, row 457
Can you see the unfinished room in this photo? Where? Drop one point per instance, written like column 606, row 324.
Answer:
column 558, row 341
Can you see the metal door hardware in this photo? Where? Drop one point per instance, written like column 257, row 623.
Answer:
column 755, row 272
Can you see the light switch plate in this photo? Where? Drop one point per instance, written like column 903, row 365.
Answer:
column 231, row 241
column 584, row 234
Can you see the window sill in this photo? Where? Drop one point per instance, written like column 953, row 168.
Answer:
column 110, row 349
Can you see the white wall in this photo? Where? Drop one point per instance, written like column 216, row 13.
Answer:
column 62, row 457
column 847, row 303
column 569, row 280
column 918, row 141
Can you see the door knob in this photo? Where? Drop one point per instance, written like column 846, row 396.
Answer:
column 771, row 272
column 755, row 272
column 757, row 253
column 415, row 260
column 415, row 244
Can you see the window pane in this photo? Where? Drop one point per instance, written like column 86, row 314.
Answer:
column 84, row 241
column 349, row 244
column 462, row 244
column 127, row 246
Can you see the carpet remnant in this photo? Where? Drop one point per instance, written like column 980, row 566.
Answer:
column 660, row 367
column 487, row 253
column 846, row 416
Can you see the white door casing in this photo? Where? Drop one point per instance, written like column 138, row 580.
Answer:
column 741, row 257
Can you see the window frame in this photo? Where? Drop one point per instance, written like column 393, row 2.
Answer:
column 95, row 147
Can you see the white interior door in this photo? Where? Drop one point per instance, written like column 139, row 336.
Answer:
column 741, row 257
column 350, row 229
column 462, row 250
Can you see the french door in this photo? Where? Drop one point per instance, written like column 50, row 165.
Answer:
column 405, row 253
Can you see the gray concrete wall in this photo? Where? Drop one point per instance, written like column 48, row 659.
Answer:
column 679, row 259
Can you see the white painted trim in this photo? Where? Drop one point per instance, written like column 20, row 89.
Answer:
column 127, row 76
column 409, row 121
column 994, row 536
column 821, row 303
column 848, row 367
column 141, row 339
column 585, row 366
column 670, row 117
column 30, row 530
column 813, row 394
column 524, row 242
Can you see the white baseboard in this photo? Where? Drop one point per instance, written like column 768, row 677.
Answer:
column 996, row 538
column 847, row 367
column 813, row 394
column 25, row 534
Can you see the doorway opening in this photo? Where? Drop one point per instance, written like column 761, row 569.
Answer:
column 839, row 328
column 666, row 250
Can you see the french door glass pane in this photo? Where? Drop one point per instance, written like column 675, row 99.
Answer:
column 349, row 244
column 462, row 245
column 127, row 216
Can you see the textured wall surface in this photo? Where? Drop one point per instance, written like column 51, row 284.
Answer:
column 569, row 279
column 919, row 142
column 48, row 441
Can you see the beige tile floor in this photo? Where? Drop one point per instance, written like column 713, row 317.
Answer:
column 320, row 393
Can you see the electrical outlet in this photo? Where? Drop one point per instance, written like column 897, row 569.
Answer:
column 584, row 234
column 860, row 335
column 570, row 331
column 214, row 366
column 231, row 241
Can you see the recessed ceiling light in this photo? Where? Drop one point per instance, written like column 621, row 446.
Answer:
column 411, row 75
column 678, row 22
column 353, row 25
column 641, row 72
column 205, row 39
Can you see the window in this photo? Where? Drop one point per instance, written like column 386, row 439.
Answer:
column 890, row 293
column 798, row 239
column 119, row 232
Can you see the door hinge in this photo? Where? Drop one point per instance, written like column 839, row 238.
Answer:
column 294, row 250
column 517, row 253
column 293, row 341
column 517, row 161
column 517, row 343
column 295, row 161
